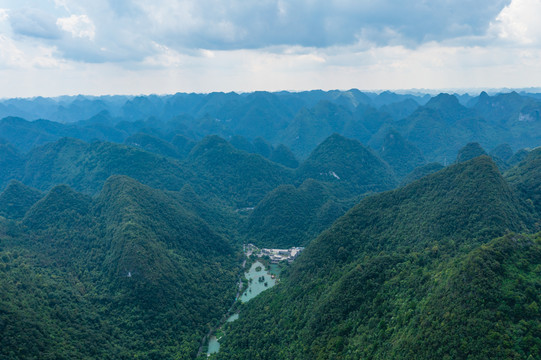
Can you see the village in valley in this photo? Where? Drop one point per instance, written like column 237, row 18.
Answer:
column 275, row 255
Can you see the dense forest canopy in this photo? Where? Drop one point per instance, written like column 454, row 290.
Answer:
column 123, row 219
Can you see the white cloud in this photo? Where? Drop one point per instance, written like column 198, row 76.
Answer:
column 519, row 22
column 3, row 14
column 163, row 58
column 10, row 54
column 16, row 55
column 79, row 26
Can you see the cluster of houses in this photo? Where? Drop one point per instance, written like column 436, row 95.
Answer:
column 277, row 255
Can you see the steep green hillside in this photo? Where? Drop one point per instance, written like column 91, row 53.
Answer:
column 402, row 156
column 420, row 172
column 11, row 164
column 467, row 201
column 519, row 115
column 441, row 127
column 503, row 152
column 290, row 216
column 470, row 151
column 60, row 208
column 16, row 199
column 483, row 306
column 85, row 167
column 525, row 177
column 368, row 286
column 129, row 274
column 25, row 135
column 311, row 126
column 282, row 155
column 152, row 144
column 347, row 166
column 235, row 175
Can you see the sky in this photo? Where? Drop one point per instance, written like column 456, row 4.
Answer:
column 98, row 47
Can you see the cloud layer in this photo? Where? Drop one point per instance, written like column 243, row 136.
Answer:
column 134, row 26
column 299, row 40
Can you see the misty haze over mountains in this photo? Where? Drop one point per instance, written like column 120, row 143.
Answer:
column 299, row 120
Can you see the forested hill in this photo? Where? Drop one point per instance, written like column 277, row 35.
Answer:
column 436, row 126
column 525, row 177
column 219, row 179
column 130, row 273
column 290, row 216
column 348, row 166
column 405, row 274
column 213, row 167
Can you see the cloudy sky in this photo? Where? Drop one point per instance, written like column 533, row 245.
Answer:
column 54, row 47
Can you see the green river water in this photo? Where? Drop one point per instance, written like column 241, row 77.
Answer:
column 258, row 281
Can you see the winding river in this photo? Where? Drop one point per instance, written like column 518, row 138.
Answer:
column 259, row 280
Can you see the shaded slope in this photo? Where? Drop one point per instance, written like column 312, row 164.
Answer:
column 441, row 127
column 152, row 144
column 401, row 109
column 85, row 167
column 183, row 145
column 290, row 216
column 62, row 207
column 16, row 199
column 237, row 176
column 11, row 164
column 420, row 172
column 518, row 157
column 222, row 220
column 489, row 297
column 242, row 143
column 503, row 152
column 525, row 177
column 282, row 155
column 311, row 126
column 502, row 155
column 401, row 155
column 348, row 166
column 470, row 151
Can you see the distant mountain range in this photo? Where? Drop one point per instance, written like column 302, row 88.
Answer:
column 438, row 126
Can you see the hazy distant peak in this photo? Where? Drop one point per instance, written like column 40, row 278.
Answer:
column 470, row 151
